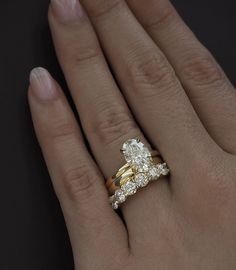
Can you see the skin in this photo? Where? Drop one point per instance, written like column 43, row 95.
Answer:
column 164, row 88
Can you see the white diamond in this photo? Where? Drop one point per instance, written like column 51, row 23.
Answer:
column 145, row 167
column 154, row 173
column 163, row 169
column 111, row 198
column 129, row 188
column 115, row 205
column 136, row 154
column 141, row 180
column 120, row 196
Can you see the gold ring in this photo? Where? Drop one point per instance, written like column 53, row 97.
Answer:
column 125, row 173
column 142, row 166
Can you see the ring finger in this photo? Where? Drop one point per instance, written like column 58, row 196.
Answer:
column 104, row 114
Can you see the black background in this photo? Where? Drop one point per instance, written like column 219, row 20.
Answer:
column 32, row 231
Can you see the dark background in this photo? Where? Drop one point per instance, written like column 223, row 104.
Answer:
column 32, row 231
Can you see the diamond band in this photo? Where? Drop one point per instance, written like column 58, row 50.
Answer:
column 142, row 167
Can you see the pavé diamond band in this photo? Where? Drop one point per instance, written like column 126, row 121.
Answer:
column 142, row 167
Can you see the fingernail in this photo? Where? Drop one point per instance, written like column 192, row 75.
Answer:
column 67, row 10
column 42, row 84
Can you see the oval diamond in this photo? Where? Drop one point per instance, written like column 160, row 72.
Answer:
column 136, row 154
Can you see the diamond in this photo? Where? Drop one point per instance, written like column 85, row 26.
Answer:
column 141, row 180
column 136, row 154
column 154, row 172
column 129, row 188
column 111, row 198
column 115, row 205
column 163, row 169
column 120, row 196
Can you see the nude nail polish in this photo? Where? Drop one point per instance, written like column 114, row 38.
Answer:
column 42, row 85
column 67, row 10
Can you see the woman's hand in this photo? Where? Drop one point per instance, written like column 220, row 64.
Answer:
column 166, row 89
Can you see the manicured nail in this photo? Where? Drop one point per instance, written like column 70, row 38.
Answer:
column 67, row 10
column 42, row 84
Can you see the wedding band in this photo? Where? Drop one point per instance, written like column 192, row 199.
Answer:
column 142, row 166
column 124, row 174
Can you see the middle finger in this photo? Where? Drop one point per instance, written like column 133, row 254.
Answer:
column 151, row 88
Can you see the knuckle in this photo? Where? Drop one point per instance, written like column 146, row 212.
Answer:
column 161, row 17
column 202, row 70
column 62, row 132
column 80, row 182
column 111, row 125
column 213, row 197
column 216, row 178
column 76, row 52
column 88, row 55
column 80, row 57
column 149, row 73
column 98, row 9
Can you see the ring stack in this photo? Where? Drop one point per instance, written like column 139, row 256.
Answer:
column 142, row 167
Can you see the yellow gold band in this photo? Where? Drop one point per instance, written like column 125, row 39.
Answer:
column 142, row 166
column 125, row 173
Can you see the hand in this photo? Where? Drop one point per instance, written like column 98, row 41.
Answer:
column 184, row 106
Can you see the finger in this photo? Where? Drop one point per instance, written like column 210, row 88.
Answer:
column 150, row 86
column 104, row 114
column 211, row 93
column 77, row 181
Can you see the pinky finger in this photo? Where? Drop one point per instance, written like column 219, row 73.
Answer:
column 94, row 229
